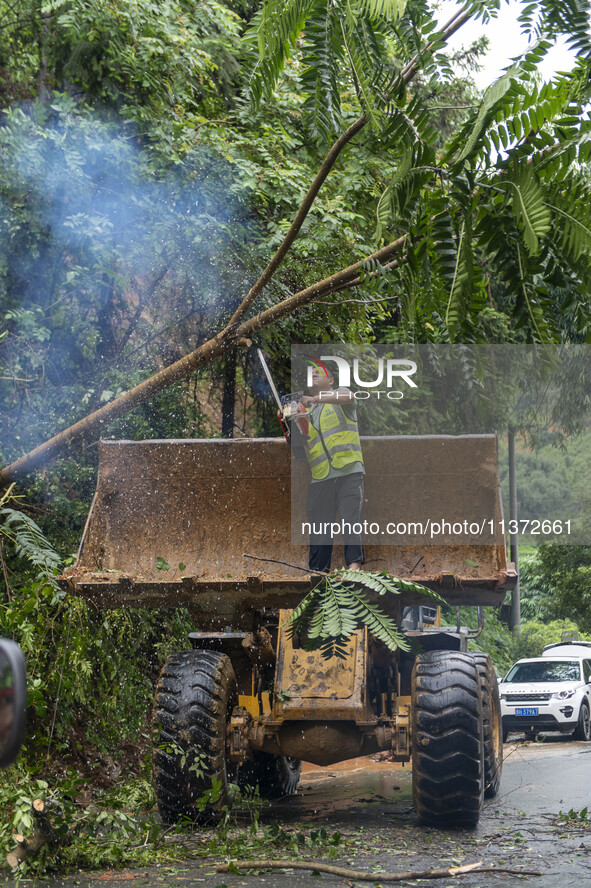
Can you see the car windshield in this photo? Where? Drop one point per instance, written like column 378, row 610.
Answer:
column 542, row 670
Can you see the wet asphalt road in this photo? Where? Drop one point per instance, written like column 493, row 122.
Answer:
column 369, row 803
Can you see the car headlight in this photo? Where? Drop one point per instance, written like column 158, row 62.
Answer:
column 563, row 695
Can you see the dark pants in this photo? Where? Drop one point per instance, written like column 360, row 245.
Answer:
column 326, row 499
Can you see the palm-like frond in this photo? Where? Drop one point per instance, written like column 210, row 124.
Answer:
column 440, row 238
column 324, row 53
column 30, row 542
column 353, row 41
column 382, row 9
column 412, row 134
column 515, row 109
column 336, row 37
column 467, row 294
column 494, row 97
column 499, row 206
column 568, row 17
column 274, row 30
column 280, row 24
column 339, row 604
column 531, row 213
column 576, row 232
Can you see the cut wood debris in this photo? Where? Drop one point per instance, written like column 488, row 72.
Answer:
column 43, row 834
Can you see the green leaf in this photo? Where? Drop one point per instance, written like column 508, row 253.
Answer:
column 576, row 234
column 162, row 564
column 531, row 213
column 491, row 98
column 339, row 605
column 388, row 9
column 30, row 543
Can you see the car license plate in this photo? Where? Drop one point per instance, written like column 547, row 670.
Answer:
column 527, row 711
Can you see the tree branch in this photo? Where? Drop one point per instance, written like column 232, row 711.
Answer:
column 403, row 78
column 183, row 368
column 347, row 277
column 361, row 876
column 43, row 834
column 327, row 165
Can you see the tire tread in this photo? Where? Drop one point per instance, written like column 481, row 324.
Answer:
column 447, row 747
column 195, row 691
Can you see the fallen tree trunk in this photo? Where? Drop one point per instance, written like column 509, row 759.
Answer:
column 227, row 339
column 43, row 834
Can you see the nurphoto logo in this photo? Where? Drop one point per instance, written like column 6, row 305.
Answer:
column 388, row 371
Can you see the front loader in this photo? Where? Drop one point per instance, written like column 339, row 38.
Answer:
column 205, row 524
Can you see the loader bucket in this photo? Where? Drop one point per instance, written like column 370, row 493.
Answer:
column 207, row 524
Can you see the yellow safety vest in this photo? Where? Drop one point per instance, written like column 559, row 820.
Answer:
column 336, row 443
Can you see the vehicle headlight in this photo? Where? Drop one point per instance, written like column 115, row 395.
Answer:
column 563, row 695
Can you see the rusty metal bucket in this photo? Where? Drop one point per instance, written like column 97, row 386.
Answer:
column 172, row 523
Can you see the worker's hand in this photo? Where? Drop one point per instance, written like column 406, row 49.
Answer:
column 307, row 401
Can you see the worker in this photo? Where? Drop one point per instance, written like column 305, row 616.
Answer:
column 336, row 463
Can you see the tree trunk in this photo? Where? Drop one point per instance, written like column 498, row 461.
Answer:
column 225, row 341
column 229, row 395
column 43, row 834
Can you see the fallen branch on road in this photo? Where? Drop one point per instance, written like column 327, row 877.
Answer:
column 361, row 876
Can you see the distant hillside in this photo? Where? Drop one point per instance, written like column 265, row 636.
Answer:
column 552, row 482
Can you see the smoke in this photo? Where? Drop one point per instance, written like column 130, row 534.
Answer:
column 110, row 268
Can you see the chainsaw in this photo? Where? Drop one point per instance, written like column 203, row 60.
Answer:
column 292, row 416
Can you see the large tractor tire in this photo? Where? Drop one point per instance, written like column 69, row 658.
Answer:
column 275, row 775
column 195, row 697
column 583, row 728
column 447, row 739
column 493, row 725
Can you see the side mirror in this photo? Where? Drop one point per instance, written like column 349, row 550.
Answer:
column 13, row 701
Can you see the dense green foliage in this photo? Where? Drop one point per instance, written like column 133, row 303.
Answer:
column 566, row 570
column 505, row 646
column 534, row 636
column 501, row 204
column 90, row 678
column 129, row 231
column 76, row 654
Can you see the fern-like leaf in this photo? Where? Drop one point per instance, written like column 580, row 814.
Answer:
column 471, row 134
column 30, row 543
column 383, row 9
column 322, row 59
column 363, row 85
column 383, row 583
column 379, row 624
column 339, row 605
column 569, row 17
column 531, row 213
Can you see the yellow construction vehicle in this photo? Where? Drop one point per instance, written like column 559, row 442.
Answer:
column 205, row 524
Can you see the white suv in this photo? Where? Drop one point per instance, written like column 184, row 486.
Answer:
column 549, row 693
